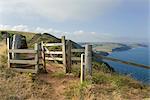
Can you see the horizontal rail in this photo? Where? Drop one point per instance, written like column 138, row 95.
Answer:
column 77, row 50
column 53, row 44
column 59, row 59
column 124, row 62
column 53, row 52
column 76, row 58
column 24, row 70
column 22, row 51
column 32, row 62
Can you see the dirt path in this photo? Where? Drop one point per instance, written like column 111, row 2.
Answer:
column 59, row 84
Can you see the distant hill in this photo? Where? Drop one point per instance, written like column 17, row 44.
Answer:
column 32, row 38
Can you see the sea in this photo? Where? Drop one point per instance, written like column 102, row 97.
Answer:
column 139, row 55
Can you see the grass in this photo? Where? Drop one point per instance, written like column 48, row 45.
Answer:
column 103, row 85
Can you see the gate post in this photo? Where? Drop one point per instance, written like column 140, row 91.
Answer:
column 64, row 52
column 82, row 76
column 88, row 58
column 36, row 48
column 8, row 55
column 43, row 56
column 68, row 55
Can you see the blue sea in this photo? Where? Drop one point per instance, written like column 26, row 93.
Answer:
column 139, row 55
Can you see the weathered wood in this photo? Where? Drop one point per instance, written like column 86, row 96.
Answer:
column 76, row 58
column 21, row 51
column 124, row 62
column 53, row 52
column 55, row 58
column 13, row 47
column 32, row 62
column 24, row 70
column 88, row 58
column 69, row 46
column 8, row 55
column 64, row 52
column 77, row 50
column 43, row 56
column 36, row 48
column 53, row 44
column 82, row 76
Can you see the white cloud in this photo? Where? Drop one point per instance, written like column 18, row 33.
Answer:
column 57, row 9
column 79, row 36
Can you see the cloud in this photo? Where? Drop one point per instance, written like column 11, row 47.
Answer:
column 57, row 9
column 79, row 36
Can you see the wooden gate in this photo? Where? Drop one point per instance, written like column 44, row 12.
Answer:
column 50, row 55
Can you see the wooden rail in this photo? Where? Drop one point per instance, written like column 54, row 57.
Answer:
column 15, row 60
column 121, row 61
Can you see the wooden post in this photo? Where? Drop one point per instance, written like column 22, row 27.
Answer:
column 64, row 52
column 13, row 47
column 43, row 56
column 82, row 76
column 36, row 48
column 68, row 53
column 88, row 58
column 8, row 56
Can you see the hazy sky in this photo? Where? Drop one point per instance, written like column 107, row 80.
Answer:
column 80, row 20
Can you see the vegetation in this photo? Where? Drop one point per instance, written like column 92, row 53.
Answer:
column 105, row 84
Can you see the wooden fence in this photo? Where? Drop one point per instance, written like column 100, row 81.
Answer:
column 14, row 60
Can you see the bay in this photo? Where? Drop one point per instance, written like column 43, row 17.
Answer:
column 138, row 55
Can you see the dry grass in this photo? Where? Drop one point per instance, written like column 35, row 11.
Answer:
column 15, row 86
column 3, row 55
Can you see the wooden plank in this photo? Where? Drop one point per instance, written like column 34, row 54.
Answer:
column 77, row 50
column 53, row 52
column 75, row 58
column 59, row 59
column 8, row 55
column 24, row 70
column 22, row 51
column 32, row 62
column 124, row 62
column 88, row 58
column 53, row 44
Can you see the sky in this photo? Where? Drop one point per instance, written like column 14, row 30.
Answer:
column 80, row 20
